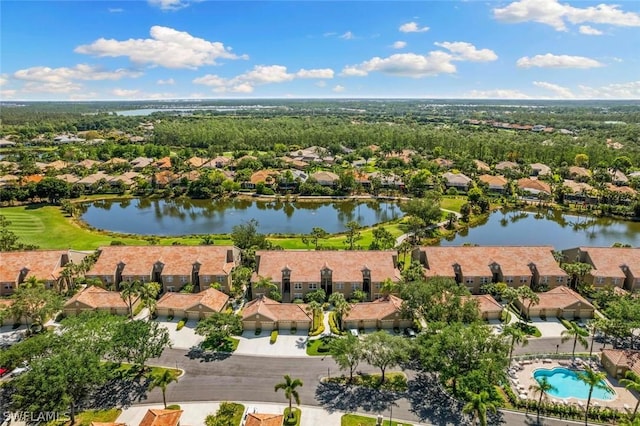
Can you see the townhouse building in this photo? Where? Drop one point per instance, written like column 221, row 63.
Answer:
column 610, row 266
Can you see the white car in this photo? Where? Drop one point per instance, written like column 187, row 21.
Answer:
column 19, row 370
column 354, row 331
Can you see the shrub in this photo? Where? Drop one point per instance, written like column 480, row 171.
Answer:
column 333, row 324
column 170, row 318
column 274, row 337
column 294, row 330
column 258, row 331
column 181, row 323
column 116, row 243
column 173, row 407
column 292, row 421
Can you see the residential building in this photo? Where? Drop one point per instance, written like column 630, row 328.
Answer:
column 618, row 177
column 196, row 162
column 534, row 186
column 94, row 179
column 155, row 417
column 559, row 302
column 194, row 306
column 618, row 361
column 579, row 173
column 488, row 307
column 456, row 180
column 539, row 169
column 298, row 272
column 87, row 163
column 496, row 184
column 263, row 419
column 507, row 165
column 217, row 163
column 382, row 313
column 580, row 192
column 475, row 266
column 325, row 178
column 171, row 266
column 267, row 315
column 140, row 163
column 267, row 177
column 45, row 265
column 163, row 163
column 481, row 166
column 94, row 298
column 610, row 266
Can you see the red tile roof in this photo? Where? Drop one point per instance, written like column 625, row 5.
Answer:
column 42, row 264
column 210, row 298
column 276, row 311
column 608, row 261
column 560, row 298
column 161, row 418
column 486, row 303
column 346, row 266
column 96, row 297
column 493, row 180
column 624, row 358
column 378, row 309
column 259, row 419
column 534, row 185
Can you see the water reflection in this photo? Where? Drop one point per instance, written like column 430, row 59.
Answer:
column 187, row 216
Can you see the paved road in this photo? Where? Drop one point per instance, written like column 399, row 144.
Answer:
column 251, row 378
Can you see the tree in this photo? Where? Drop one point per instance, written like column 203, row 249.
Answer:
column 289, row 387
column 388, row 287
column 353, row 234
column 319, row 296
column 347, row 353
column 631, row 381
column 246, row 235
column 223, row 417
column 272, row 289
column 241, row 277
column 162, row 381
column 526, row 294
column 314, row 308
column 404, row 248
column 515, row 335
column 577, row 271
column 478, row 405
column 53, row 189
column 136, row 291
column 91, row 329
column 541, row 387
column 315, row 236
column 382, row 350
column 34, row 302
column 340, row 306
column 581, row 160
column 218, row 327
column 427, row 209
column 137, row 341
column 577, row 334
column 382, row 239
column 438, row 299
column 594, row 380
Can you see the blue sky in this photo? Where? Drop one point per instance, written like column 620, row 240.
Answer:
column 171, row 49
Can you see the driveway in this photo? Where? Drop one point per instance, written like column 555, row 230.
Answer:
column 184, row 338
column 552, row 327
column 287, row 344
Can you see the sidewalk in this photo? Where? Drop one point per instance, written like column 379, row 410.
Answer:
column 195, row 413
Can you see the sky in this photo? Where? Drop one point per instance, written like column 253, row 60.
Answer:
column 187, row 49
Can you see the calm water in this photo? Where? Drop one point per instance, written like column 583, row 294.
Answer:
column 184, row 216
column 552, row 228
column 567, row 385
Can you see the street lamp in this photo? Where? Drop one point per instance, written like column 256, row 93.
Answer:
column 557, row 348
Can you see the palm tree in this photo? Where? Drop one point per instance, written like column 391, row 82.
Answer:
column 267, row 284
column 541, row 387
column 478, row 406
column 162, row 381
column 594, row 380
column 631, row 381
column 289, row 386
column 313, row 307
column 516, row 335
column 136, row 291
column 340, row 306
column 388, row 287
column 578, row 335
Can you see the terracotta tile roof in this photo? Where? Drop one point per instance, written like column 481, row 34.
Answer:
column 196, row 162
column 69, row 178
column 210, row 298
column 608, row 261
column 96, row 297
column 378, row 309
column 161, row 418
column 475, row 261
column 42, row 264
column 481, row 165
column 561, row 297
column 534, row 185
column 486, row 303
column 504, row 165
column 177, row 260
column 32, row 179
column 346, row 266
column 217, row 162
column 577, row 187
column 624, row 358
column 259, row 419
column 276, row 311
column 621, row 189
column 107, row 424
column 493, row 180
column 163, row 163
column 264, row 176
column 165, row 177
column 579, row 171
column 91, row 179
column 88, row 163
column 542, row 169
column 57, row 165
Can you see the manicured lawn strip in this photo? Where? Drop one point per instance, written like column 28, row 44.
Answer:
column 85, row 418
column 319, row 347
column 454, row 203
column 295, row 421
column 357, row 420
column 393, row 381
column 230, row 345
column 155, row 371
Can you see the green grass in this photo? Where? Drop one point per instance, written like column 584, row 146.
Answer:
column 238, row 411
column 393, row 381
column 230, row 345
column 319, row 347
column 153, row 371
column 295, row 421
column 85, row 418
column 452, row 202
column 357, row 420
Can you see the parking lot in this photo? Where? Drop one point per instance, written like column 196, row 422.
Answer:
column 184, row 338
column 287, row 344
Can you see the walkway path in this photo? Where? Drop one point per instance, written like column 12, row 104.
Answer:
column 403, row 237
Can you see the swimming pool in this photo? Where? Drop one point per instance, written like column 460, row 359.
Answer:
column 567, row 384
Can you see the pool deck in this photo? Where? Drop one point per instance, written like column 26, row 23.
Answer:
column 522, row 378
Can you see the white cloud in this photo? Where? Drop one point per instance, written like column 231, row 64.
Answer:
column 166, row 47
column 405, row 64
column 260, row 74
column 556, row 15
column 587, row 30
column 79, row 72
column 3, row 79
column 167, row 82
column 169, row 4
column 125, row 93
column 468, row 52
column 497, row 94
column 399, row 44
column 338, row 89
column 629, row 90
column 321, row 83
column 557, row 61
column 51, row 87
column 330, row 34
column 8, row 93
column 347, row 36
column 412, row 27
column 115, row 10
column 316, row 73
column 560, row 91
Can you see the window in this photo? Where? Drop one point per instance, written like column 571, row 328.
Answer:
column 297, row 286
column 560, row 279
column 376, row 295
column 206, row 278
column 509, row 280
column 545, row 280
column 107, row 278
column 220, row 278
column 297, row 295
column 355, row 286
column 484, row 280
column 378, row 285
column 600, row 280
column 469, row 281
column 524, row 280
column 339, row 286
column 616, row 281
column 8, row 287
column 171, row 289
column 313, row 286
column 183, row 279
column 169, row 278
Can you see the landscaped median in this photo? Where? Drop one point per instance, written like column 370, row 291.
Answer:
column 292, row 418
column 358, row 420
column 393, row 381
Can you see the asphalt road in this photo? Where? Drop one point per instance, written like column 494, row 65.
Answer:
column 252, row 378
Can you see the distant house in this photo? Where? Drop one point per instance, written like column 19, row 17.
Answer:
column 625, row 191
column 267, row 177
column 325, row 178
column 68, row 178
column 4, row 143
column 296, row 164
column 217, row 163
column 443, row 163
column 456, row 180
column 382, row 313
column 195, row 162
column 60, row 139
column 580, row 191
column 579, row 172
column 618, row 178
column 87, row 163
column 164, row 178
column 95, row 298
column 267, row 314
column 194, row 306
column 8, row 180
column 163, row 164
column 539, row 169
column 558, row 302
column 494, row 183
column 57, row 165
column 610, row 266
column 507, row 165
column 481, row 166
column 618, row 361
column 140, row 163
column 488, row 307
column 534, row 186
column 388, row 181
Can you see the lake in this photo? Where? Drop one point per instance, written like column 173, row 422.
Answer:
column 186, row 216
column 548, row 228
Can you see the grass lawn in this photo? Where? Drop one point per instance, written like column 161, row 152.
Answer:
column 452, row 202
column 319, row 347
column 85, row 418
column 238, row 411
column 49, row 228
column 230, row 345
column 154, row 371
column 393, row 381
column 356, row 420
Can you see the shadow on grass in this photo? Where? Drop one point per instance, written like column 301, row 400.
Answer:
column 122, row 389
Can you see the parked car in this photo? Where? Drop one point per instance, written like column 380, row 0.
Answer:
column 410, row 333
column 354, row 331
column 19, row 370
column 3, row 371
